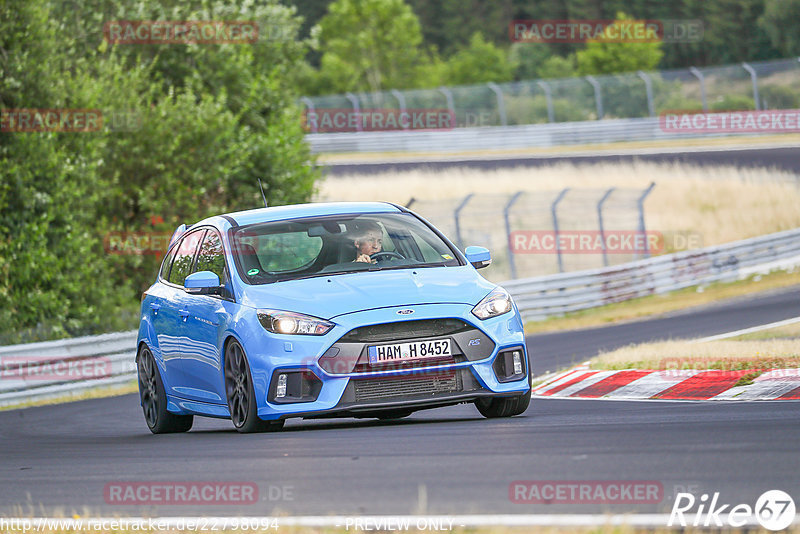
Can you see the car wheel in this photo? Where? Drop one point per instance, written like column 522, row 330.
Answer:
column 241, row 395
column 393, row 414
column 154, row 398
column 503, row 406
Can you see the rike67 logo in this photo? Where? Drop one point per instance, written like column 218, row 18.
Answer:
column 774, row 510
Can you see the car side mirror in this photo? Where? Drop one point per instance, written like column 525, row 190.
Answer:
column 202, row 283
column 479, row 257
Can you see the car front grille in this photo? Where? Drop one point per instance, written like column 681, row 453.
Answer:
column 350, row 353
column 407, row 386
column 405, row 330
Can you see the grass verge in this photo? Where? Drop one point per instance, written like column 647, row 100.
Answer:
column 777, row 348
column 655, row 305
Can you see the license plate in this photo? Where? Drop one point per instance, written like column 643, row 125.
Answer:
column 417, row 350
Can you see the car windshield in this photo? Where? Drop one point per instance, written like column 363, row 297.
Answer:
column 321, row 246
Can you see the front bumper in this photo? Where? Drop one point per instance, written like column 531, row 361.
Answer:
column 350, row 387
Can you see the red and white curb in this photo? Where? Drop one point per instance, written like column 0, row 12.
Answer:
column 581, row 382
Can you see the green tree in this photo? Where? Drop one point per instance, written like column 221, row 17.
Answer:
column 558, row 67
column 606, row 57
column 780, row 23
column 449, row 24
column 49, row 281
column 211, row 119
column 370, row 45
column 479, row 62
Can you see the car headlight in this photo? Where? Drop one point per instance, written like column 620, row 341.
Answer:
column 495, row 303
column 283, row 322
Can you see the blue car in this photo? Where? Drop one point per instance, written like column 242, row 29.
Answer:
column 324, row 310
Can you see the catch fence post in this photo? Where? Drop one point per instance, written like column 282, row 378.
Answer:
column 642, row 229
column 506, row 217
column 456, row 215
column 553, row 212
column 600, row 224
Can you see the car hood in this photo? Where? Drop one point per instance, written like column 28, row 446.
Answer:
column 329, row 296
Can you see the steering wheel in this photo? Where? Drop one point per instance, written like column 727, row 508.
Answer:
column 386, row 255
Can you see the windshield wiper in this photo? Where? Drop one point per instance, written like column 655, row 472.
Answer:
column 412, row 266
column 370, row 269
column 302, row 277
column 432, row 264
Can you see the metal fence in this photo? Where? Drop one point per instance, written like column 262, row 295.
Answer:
column 756, row 86
column 492, row 221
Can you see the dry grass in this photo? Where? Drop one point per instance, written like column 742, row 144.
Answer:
column 790, row 331
column 721, row 204
column 725, row 355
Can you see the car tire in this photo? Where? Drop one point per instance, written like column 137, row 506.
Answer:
column 241, row 395
column 393, row 414
column 153, row 398
column 503, row 406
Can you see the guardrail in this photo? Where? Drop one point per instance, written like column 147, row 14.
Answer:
column 502, row 137
column 547, row 296
column 34, row 371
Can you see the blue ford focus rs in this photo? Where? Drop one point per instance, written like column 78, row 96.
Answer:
column 324, row 310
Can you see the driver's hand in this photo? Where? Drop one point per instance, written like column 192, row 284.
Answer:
column 365, row 259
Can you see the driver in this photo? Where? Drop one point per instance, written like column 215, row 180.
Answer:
column 368, row 240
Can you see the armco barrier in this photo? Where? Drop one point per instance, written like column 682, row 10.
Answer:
column 502, row 137
column 547, row 296
column 35, row 371
column 54, row 368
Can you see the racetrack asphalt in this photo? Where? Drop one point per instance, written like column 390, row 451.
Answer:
column 551, row 352
column 786, row 158
column 59, row 459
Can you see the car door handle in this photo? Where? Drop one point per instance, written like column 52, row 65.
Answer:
column 184, row 314
column 155, row 307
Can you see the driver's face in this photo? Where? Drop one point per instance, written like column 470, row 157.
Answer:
column 370, row 243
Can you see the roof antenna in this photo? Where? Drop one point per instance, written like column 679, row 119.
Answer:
column 262, row 193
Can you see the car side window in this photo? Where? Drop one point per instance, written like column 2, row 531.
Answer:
column 429, row 254
column 182, row 264
column 211, row 256
column 167, row 263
